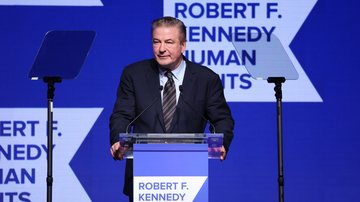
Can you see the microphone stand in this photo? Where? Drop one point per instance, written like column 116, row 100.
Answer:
column 50, row 96
column 152, row 103
column 278, row 94
column 212, row 127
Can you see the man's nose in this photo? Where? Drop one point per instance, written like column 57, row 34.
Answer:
column 162, row 48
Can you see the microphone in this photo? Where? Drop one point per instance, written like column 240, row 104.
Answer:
column 193, row 109
column 148, row 107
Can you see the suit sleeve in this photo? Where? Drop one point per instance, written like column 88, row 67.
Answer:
column 218, row 111
column 124, row 108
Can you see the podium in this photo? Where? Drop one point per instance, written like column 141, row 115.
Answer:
column 171, row 167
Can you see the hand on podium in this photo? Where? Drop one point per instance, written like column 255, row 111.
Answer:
column 223, row 153
column 118, row 152
column 218, row 150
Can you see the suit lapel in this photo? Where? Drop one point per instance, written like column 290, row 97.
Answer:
column 187, row 90
column 153, row 87
column 188, row 85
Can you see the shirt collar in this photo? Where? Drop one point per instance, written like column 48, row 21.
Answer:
column 176, row 72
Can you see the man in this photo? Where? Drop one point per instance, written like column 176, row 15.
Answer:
column 174, row 94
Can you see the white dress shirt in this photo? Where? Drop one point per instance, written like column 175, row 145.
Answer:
column 178, row 76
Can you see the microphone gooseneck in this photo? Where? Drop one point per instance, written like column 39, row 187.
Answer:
column 193, row 109
column 148, row 107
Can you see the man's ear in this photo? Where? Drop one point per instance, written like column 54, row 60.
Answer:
column 183, row 46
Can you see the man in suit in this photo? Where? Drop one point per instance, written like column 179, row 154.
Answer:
column 174, row 94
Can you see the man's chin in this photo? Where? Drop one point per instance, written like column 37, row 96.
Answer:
column 164, row 65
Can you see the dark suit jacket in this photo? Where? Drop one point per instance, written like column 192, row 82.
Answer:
column 140, row 87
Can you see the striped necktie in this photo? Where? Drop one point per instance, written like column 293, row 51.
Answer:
column 169, row 100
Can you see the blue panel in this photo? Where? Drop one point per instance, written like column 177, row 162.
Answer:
column 185, row 160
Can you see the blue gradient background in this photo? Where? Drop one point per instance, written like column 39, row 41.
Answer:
column 321, row 140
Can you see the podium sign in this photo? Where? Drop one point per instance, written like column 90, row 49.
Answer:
column 170, row 172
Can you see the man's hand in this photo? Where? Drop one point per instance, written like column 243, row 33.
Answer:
column 117, row 152
column 218, row 151
column 223, row 153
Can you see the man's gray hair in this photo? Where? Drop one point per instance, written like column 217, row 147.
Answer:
column 170, row 21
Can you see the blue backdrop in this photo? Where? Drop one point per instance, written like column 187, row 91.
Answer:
column 321, row 139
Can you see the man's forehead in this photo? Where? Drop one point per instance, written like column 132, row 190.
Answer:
column 167, row 27
column 166, row 31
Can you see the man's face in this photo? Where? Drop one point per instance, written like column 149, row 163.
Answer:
column 167, row 46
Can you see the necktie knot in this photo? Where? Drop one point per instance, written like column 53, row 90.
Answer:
column 169, row 75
